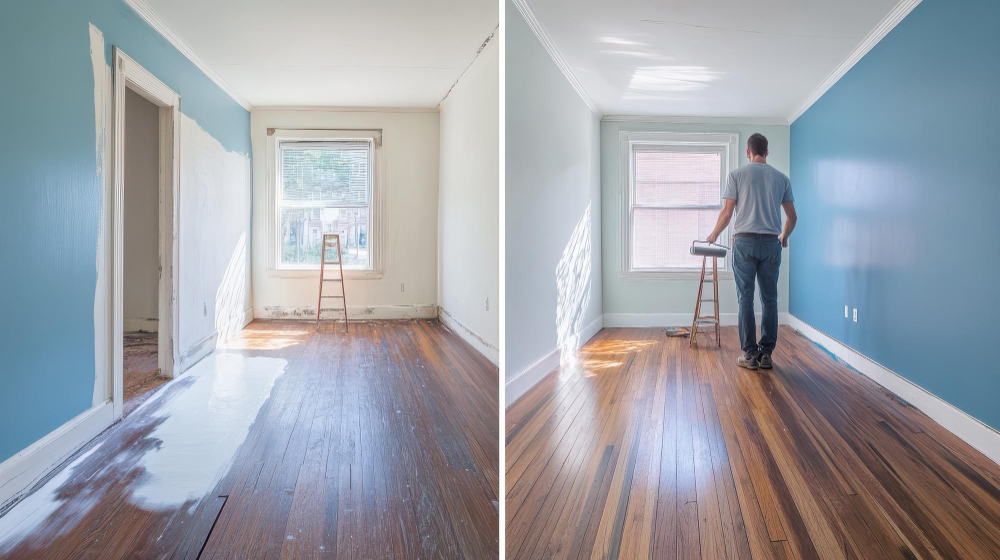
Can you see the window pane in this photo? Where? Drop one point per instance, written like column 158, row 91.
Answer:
column 678, row 178
column 336, row 173
column 302, row 232
column 662, row 238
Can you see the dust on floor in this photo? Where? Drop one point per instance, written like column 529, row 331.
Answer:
column 142, row 375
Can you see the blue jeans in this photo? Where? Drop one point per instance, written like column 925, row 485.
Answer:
column 757, row 258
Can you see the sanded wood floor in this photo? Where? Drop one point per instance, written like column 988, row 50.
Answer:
column 381, row 444
column 646, row 449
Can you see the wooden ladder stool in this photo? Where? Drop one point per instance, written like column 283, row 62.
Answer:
column 699, row 319
column 331, row 241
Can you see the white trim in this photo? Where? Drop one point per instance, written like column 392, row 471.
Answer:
column 129, row 74
column 888, row 23
column 524, row 6
column 143, row 10
column 20, row 473
column 344, row 109
column 492, row 353
column 722, row 121
column 627, row 140
column 628, row 320
column 983, row 438
column 354, row 312
column 522, row 382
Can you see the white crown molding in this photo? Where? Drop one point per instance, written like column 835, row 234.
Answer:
column 751, row 121
column 145, row 11
column 549, row 45
column 888, row 23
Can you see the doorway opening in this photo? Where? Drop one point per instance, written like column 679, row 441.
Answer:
column 141, row 258
column 143, row 280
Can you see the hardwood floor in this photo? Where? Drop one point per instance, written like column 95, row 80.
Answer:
column 380, row 444
column 646, row 449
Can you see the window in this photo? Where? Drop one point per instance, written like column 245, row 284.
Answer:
column 324, row 182
column 673, row 194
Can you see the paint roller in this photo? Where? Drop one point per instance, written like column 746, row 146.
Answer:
column 707, row 249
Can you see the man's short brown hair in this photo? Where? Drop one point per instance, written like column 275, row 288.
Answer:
column 757, row 144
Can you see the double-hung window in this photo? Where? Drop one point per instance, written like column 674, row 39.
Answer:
column 672, row 189
column 324, row 186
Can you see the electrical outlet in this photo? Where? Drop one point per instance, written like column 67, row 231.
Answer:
column 487, row 304
column 855, row 314
column 845, row 313
column 204, row 309
column 402, row 287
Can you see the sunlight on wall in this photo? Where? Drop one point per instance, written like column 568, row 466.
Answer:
column 231, row 294
column 573, row 289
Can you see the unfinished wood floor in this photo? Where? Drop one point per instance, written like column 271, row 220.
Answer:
column 646, row 449
column 381, row 444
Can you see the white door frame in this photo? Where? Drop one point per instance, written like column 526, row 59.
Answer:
column 129, row 74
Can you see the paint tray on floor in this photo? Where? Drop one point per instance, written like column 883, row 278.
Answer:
column 677, row 331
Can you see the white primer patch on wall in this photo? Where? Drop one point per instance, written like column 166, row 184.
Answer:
column 202, row 428
column 102, row 85
column 214, row 206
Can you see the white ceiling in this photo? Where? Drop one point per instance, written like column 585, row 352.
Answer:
column 706, row 58
column 373, row 53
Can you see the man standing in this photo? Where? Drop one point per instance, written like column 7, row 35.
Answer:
column 752, row 200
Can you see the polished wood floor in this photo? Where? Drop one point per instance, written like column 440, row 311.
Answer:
column 646, row 449
column 380, row 444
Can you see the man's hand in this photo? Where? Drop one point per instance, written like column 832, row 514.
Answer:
column 784, row 240
column 712, row 237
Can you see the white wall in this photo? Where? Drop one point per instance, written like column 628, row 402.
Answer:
column 553, row 209
column 214, row 276
column 468, row 213
column 142, row 252
column 410, row 142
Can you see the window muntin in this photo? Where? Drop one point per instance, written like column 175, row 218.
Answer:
column 675, row 194
column 324, row 187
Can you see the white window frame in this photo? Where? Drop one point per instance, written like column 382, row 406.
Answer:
column 377, row 210
column 727, row 143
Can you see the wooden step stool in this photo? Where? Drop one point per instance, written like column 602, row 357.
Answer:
column 707, row 319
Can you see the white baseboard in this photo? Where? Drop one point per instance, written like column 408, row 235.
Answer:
column 133, row 324
column 624, row 320
column 21, row 472
column 354, row 313
column 524, row 380
column 980, row 436
column 491, row 352
column 196, row 352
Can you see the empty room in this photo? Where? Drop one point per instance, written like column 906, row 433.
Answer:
column 251, row 279
column 749, row 251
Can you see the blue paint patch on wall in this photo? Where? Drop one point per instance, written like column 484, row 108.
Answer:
column 897, row 189
column 52, row 196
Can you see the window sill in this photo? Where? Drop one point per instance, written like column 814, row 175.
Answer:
column 314, row 273
column 672, row 275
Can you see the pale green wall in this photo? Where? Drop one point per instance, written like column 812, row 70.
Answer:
column 627, row 295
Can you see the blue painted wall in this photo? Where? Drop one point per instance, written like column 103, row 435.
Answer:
column 897, row 189
column 51, row 196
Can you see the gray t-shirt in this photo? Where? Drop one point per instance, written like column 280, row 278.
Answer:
column 758, row 190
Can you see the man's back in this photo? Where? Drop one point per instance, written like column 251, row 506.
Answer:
column 758, row 190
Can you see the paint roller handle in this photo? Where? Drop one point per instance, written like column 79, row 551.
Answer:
column 711, row 243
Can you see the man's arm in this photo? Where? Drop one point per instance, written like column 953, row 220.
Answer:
column 790, row 219
column 728, row 207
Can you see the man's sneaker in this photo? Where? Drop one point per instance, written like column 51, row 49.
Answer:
column 747, row 360
column 764, row 361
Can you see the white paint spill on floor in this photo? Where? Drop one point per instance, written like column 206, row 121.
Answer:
column 202, row 428
column 28, row 515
